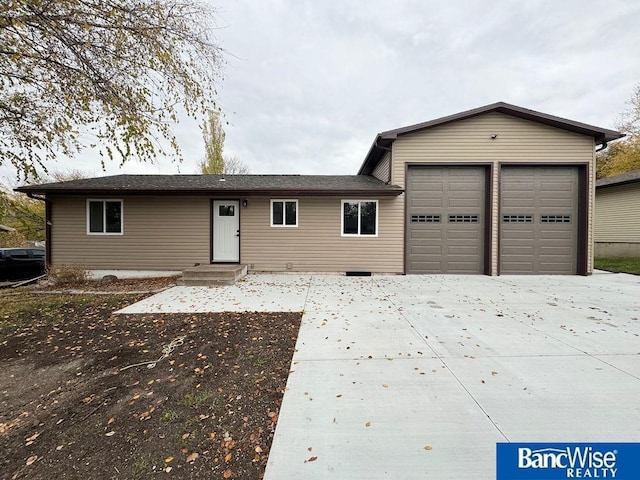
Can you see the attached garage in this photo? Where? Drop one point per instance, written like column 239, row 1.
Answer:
column 446, row 219
column 540, row 219
column 495, row 190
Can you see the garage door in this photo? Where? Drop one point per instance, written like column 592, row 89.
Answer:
column 445, row 219
column 539, row 220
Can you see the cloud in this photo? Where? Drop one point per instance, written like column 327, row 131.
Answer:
column 309, row 84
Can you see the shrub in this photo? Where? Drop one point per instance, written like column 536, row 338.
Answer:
column 68, row 274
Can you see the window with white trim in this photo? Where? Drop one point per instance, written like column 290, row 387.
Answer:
column 359, row 218
column 284, row 213
column 104, row 217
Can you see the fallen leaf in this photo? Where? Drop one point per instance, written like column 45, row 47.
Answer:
column 110, row 434
column 168, row 469
column 385, row 385
column 259, row 450
column 185, row 435
column 493, row 374
column 428, row 447
column 168, row 460
column 227, row 473
column 211, row 435
column 111, row 420
column 312, row 459
column 368, row 424
column 228, row 457
column 192, row 457
column 31, row 459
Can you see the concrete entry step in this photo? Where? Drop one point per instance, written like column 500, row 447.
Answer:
column 212, row 275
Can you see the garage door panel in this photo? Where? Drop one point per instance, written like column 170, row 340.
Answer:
column 425, row 206
column 461, row 203
column 559, row 188
column 457, row 196
column 464, row 234
column 435, row 234
column 549, row 237
column 426, row 250
column 463, row 250
column 428, row 189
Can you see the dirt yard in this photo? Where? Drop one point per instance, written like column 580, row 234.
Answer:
column 77, row 401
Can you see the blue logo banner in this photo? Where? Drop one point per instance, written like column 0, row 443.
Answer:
column 555, row 461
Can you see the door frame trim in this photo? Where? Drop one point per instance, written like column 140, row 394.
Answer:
column 211, row 225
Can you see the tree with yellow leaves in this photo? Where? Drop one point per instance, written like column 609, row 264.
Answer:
column 623, row 155
column 111, row 74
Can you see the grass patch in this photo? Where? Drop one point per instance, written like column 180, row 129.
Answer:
column 619, row 265
column 196, row 400
column 24, row 309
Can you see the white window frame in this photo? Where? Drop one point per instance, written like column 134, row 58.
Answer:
column 284, row 210
column 358, row 201
column 104, row 216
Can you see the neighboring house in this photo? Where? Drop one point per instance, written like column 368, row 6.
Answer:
column 499, row 189
column 617, row 216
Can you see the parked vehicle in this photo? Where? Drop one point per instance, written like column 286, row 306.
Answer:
column 21, row 263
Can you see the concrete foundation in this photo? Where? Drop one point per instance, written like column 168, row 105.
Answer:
column 617, row 249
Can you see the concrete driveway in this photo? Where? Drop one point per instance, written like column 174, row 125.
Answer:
column 418, row 377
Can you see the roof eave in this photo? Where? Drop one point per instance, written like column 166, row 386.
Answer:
column 218, row 193
column 375, row 153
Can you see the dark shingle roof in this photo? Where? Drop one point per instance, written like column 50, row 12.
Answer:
column 632, row 176
column 384, row 139
column 219, row 185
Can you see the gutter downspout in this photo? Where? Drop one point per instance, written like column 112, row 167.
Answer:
column 602, row 147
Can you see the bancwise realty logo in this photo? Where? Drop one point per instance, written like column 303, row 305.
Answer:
column 552, row 461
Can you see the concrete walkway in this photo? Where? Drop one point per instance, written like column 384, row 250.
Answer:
column 418, row 377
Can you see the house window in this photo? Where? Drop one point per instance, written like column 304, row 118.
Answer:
column 284, row 213
column 226, row 210
column 360, row 217
column 104, row 217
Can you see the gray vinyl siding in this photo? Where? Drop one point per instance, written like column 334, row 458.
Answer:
column 518, row 141
column 316, row 244
column 383, row 169
column 617, row 216
column 160, row 233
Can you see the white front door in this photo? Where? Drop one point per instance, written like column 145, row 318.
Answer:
column 226, row 231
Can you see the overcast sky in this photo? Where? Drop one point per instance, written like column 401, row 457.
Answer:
column 309, row 84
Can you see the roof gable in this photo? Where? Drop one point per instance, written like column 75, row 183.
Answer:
column 383, row 140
